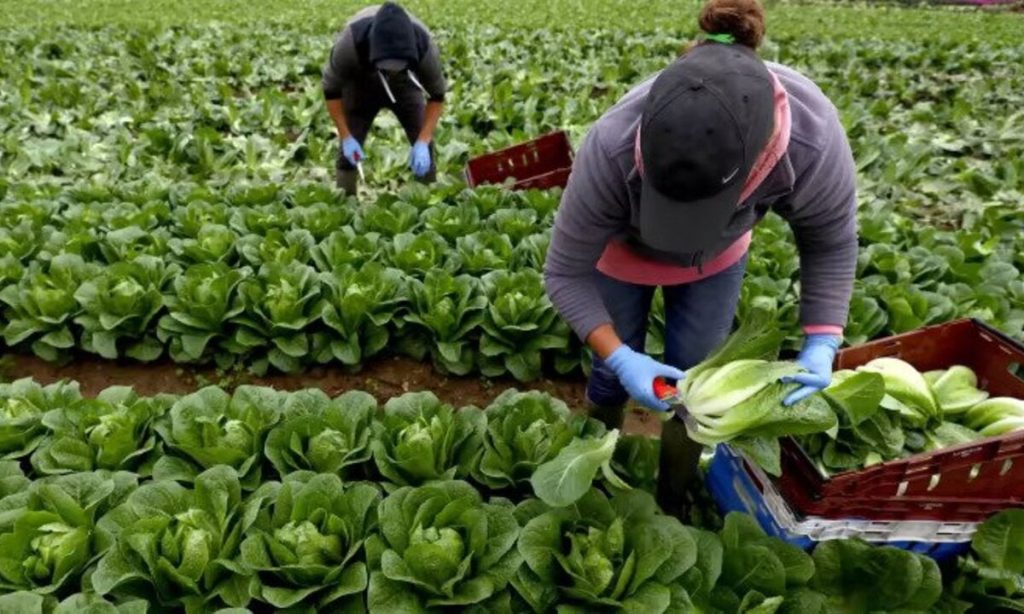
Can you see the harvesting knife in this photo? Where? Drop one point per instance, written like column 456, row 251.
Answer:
column 670, row 394
column 359, row 167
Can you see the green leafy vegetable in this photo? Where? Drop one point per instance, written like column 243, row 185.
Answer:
column 47, row 535
column 210, row 427
column 956, row 389
column 176, row 547
column 42, row 305
column 419, row 439
column 113, row 431
column 996, row 416
column 440, row 545
column 855, row 576
column 735, row 394
column 281, row 304
column 205, row 298
column 120, row 304
column 444, row 311
column 358, row 307
column 518, row 324
column 600, row 554
column 22, row 406
column 525, row 430
column 307, row 548
column 325, row 436
column 568, row 476
column 906, row 391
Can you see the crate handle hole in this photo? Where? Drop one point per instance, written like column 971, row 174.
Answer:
column 934, row 481
column 891, row 349
column 1016, row 369
column 1007, row 465
column 902, row 488
column 975, row 472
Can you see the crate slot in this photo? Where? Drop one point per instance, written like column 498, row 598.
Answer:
column 1016, row 370
column 1007, row 465
column 902, row 488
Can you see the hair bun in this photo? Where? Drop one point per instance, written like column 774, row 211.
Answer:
column 742, row 19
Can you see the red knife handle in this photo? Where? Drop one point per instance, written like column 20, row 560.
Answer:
column 663, row 390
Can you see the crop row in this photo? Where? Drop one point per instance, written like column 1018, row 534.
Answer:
column 928, row 120
column 274, row 500
column 263, row 275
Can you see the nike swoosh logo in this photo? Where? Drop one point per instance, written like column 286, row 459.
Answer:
column 729, row 177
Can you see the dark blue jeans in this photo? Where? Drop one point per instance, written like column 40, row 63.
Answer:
column 698, row 316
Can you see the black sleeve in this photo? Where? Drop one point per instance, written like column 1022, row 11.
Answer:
column 431, row 74
column 341, row 66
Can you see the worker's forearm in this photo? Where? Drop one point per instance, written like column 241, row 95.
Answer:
column 430, row 119
column 337, row 112
column 603, row 340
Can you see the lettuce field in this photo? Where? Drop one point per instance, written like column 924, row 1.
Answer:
column 168, row 220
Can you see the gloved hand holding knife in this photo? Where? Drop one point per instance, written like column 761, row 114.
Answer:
column 637, row 372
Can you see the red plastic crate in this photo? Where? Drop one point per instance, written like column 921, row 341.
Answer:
column 538, row 164
column 967, row 483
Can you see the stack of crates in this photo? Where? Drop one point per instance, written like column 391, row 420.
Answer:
column 930, row 503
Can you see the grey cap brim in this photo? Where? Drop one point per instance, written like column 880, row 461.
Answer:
column 392, row 65
column 686, row 227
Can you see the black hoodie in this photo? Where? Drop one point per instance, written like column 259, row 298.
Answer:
column 392, row 36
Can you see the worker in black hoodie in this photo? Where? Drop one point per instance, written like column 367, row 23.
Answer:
column 384, row 58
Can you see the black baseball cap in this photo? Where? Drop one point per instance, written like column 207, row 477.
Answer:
column 705, row 121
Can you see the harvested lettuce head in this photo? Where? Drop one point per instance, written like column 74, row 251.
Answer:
column 906, row 391
column 735, row 395
column 955, row 389
column 996, row 416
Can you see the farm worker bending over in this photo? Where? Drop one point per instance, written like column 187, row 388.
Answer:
column 665, row 190
column 384, row 58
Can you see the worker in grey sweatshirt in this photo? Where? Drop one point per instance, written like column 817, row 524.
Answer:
column 665, row 190
column 384, row 58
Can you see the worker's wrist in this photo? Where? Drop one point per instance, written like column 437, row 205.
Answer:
column 618, row 356
column 823, row 340
column 603, row 340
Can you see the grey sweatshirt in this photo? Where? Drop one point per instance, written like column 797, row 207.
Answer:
column 813, row 187
column 345, row 69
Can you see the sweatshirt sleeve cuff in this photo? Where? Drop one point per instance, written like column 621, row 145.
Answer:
column 823, row 329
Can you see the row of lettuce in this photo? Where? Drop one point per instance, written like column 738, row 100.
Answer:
column 261, row 499
column 260, row 275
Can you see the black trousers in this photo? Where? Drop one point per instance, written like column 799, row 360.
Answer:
column 364, row 100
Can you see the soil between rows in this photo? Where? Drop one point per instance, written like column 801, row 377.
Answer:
column 383, row 378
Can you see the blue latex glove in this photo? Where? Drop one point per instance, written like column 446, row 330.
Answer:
column 352, row 151
column 637, row 372
column 817, row 356
column 419, row 159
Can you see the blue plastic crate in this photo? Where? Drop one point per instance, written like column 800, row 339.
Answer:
column 735, row 489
